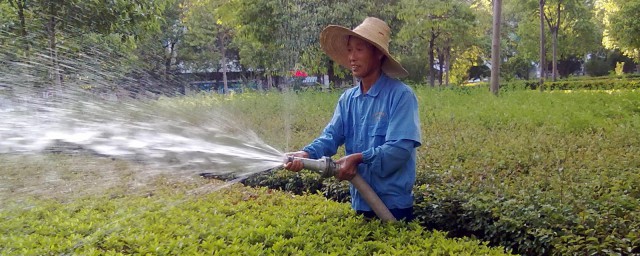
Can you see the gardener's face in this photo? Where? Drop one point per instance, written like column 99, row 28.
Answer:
column 364, row 58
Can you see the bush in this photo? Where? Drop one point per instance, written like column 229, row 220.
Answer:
column 301, row 183
column 625, row 82
column 612, row 84
column 538, row 173
column 235, row 221
column 534, row 224
column 597, row 67
column 516, row 67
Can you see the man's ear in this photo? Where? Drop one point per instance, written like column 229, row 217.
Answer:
column 381, row 57
column 380, row 54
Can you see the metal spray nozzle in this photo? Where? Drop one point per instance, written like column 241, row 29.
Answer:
column 325, row 165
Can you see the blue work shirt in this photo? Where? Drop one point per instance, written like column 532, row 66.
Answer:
column 384, row 126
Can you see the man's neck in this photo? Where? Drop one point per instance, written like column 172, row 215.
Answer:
column 367, row 82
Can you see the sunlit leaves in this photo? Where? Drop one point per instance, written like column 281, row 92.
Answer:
column 236, row 220
column 208, row 36
column 624, row 28
column 578, row 31
column 446, row 29
column 528, row 170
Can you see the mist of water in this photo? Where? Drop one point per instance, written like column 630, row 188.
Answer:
column 143, row 132
column 167, row 135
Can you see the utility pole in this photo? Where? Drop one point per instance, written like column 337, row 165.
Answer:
column 543, row 52
column 495, row 47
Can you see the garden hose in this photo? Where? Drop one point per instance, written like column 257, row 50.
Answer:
column 327, row 168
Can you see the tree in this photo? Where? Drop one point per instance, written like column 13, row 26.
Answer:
column 623, row 30
column 208, row 36
column 20, row 7
column 442, row 25
column 72, row 19
column 422, row 20
column 278, row 35
column 571, row 26
column 568, row 15
column 170, row 35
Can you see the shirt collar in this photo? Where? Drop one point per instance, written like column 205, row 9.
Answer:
column 375, row 89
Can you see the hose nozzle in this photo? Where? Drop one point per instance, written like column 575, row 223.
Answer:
column 325, row 165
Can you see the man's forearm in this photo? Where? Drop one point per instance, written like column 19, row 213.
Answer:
column 388, row 157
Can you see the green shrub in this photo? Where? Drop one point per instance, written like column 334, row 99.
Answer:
column 597, row 67
column 613, row 84
column 233, row 221
column 541, row 173
column 602, row 83
column 516, row 68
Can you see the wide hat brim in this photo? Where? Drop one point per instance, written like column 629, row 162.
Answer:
column 334, row 39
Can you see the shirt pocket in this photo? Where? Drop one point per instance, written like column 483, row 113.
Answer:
column 377, row 133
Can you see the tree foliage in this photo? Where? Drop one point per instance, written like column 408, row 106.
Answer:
column 624, row 28
column 435, row 40
column 68, row 37
column 445, row 27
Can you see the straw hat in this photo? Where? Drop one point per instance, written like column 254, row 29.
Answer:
column 334, row 39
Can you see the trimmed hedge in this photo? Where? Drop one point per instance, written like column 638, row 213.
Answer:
column 625, row 76
column 578, row 84
column 532, row 224
column 536, row 223
column 234, row 221
column 301, row 183
column 538, row 173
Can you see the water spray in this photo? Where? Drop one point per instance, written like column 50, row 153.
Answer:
column 328, row 168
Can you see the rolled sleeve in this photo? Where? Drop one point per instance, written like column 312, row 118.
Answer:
column 389, row 157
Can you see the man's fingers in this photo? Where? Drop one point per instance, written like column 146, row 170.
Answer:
column 346, row 174
column 294, row 166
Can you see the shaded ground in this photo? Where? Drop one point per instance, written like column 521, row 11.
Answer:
column 64, row 177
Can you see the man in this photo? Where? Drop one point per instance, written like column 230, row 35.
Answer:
column 377, row 120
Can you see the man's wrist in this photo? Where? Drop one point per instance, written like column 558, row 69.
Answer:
column 309, row 151
column 367, row 156
column 357, row 157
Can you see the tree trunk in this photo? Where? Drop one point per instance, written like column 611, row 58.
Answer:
column 555, row 28
column 223, row 50
column 169, row 55
column 495, row 47
column 224, row 73
column 555, row 44
column 543, row 53
column 440, row 67
column 331, row 73
column 54, row 72
column 23, row 25
column 432, row 75
column 447, row 64
column 554, row 74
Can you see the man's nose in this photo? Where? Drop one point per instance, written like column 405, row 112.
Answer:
column 351, row 56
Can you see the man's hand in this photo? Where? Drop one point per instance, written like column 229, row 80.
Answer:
column 296, row 165
column 349, row 166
